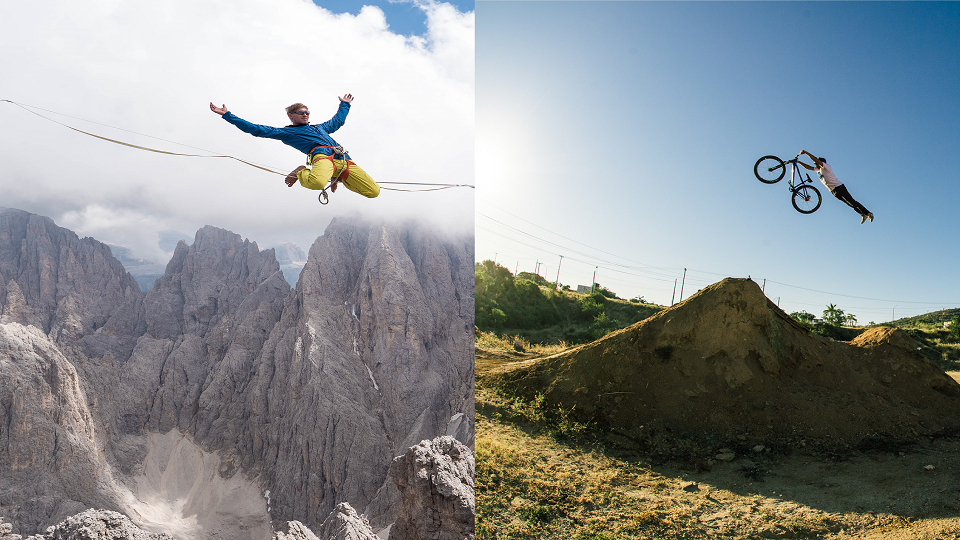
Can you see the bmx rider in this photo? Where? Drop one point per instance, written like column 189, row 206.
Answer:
column 825, row 172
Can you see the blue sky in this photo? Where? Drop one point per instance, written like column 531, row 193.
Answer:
column 622, row 135
column 403, row 16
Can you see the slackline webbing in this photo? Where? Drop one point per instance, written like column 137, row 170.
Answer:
column 29, row 108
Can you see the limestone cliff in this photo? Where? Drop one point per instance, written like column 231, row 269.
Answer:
column 306, row 394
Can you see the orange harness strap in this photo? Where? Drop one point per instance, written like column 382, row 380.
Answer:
column 337, row 151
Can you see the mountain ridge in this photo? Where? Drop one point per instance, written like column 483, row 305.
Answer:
column 308, row 391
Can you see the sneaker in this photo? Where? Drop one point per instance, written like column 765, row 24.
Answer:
column 863, row 217
column 292, row 177
column 870, row 215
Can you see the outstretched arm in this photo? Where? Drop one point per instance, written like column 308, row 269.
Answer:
column 219, row 110
column 816, row 162
column 338, row 119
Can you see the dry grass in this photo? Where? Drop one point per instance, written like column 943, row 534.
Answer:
column 493, row 342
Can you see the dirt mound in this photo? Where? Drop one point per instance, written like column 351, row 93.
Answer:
column 727, row 363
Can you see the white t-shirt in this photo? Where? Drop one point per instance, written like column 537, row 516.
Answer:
column 827, row 177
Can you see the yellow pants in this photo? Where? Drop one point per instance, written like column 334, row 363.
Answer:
column 323, row 169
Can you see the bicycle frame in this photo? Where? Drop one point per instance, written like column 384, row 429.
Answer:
column 794, row 168
column 805, row 196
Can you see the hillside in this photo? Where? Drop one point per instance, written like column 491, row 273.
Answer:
column 528, row 306
column 726, row 363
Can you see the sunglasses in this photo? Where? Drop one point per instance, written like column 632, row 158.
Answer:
column 301, row 113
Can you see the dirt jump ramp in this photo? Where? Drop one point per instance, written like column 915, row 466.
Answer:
column 727, row 363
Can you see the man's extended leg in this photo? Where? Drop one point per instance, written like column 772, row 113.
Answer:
column 841, row 193
column 359, row 181
column 318, row 176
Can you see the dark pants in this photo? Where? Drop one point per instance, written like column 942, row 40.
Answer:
column 841, row 193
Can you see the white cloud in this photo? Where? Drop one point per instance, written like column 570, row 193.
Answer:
column 152, row 68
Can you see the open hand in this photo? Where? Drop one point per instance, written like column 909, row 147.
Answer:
column 348, row 98
column 219, row 110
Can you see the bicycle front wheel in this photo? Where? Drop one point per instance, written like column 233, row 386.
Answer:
column 806, row 199
column 769, row 169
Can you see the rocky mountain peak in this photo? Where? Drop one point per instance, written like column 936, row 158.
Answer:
column 67, row 286
column 308, row 393
column 206, row 281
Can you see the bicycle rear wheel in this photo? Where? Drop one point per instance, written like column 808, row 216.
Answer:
column 769, row 169
column 806, row 199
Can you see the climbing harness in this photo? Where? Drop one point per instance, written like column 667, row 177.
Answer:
column 338, row 153
column 324, row 199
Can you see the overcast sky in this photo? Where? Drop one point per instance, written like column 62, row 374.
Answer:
column 626, row 135
column 153, row 67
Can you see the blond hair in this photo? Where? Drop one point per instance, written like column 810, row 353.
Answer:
column 296, row 107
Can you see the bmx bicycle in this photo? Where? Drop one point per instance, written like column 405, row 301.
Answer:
column 805, row 197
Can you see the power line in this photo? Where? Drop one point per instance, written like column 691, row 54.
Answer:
column 568, row 249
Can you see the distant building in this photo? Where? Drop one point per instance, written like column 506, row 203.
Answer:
column 583, row 289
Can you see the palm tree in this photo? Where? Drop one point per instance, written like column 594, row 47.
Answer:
column 833, row 316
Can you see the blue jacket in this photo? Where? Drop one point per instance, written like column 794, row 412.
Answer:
column 303, row 138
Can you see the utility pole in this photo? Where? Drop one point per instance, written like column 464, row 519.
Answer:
column 557, row 284
column 764, row 286
column 495, row 258
column 593, row 280
column 674, row 295
column 682, row 282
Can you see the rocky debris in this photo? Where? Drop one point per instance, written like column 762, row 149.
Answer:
column 6, row 531
column 436, row 482
column 294, row 530
column 729, row 362
column 690, row 487
column 98, row 525
column 312, row 390
column 725, row 455
column 345, row 524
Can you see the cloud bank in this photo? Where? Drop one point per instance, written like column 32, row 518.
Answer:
column 152, row 69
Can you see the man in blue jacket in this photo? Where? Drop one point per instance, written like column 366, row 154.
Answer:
column 327, row 159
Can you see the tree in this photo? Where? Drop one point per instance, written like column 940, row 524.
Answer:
column 833, row 315
column 802, row 317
